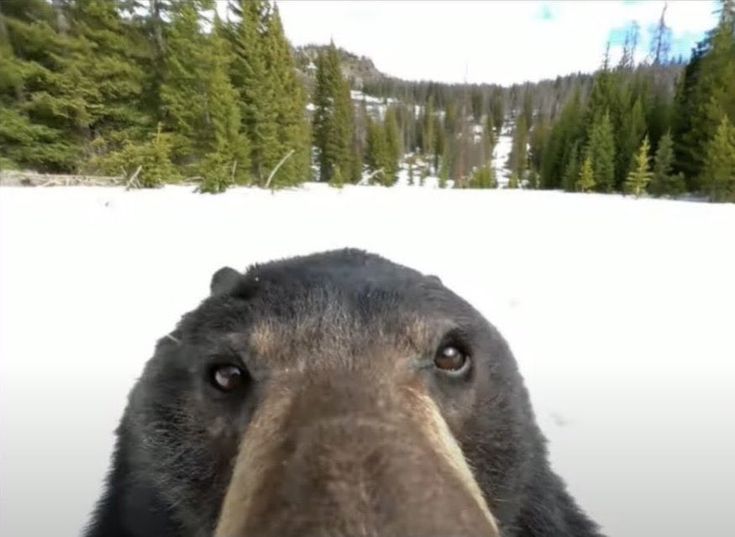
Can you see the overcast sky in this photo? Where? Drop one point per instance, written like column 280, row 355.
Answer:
column 488, row 41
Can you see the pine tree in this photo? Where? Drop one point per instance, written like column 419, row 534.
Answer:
column 571, row 170
column 518, row 159
column 718, row 173
column 629, row 136
column 427, row 126
column 661, row 41
column 440, row 143
column 39, row 119
column 483, row 177
column 333, row 118
column 337, row 180
column 513, row 181
column 664, row 181
column 184, row 82
column 289, row 102
column 705, row 95
column 228, row 159
column 393, row 143
column 106, row 72
column 377, row 155
column 497, row 112
column 586, row 179
column 445, row 163
column 256, row 85
column 567, row 131
column 602, row 153
column 640, row 176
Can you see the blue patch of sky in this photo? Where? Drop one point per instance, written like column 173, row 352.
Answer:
column 681, row 43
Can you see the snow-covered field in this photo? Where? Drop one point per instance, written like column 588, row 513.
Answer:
column 621, row 314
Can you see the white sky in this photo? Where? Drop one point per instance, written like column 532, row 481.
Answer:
column 487, row 41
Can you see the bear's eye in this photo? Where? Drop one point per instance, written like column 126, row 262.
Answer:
column 451, row 359
column 227, row 378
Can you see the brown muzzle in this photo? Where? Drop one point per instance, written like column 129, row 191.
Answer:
column 347, row 458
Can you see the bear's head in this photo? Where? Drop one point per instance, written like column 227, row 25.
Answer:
column 337, row 394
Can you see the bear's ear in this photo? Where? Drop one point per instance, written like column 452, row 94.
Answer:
column 224, row 281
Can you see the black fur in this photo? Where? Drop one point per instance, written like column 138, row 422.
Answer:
column 170, row 471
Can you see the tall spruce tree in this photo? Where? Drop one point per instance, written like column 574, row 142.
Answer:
column 718, row 172
column 565, row 132
column 572, row 169
column 640, row 175
column 393, row 143
column 705, row 94
column 185, row 82
column 289, row 102
column 333, row 117
column 586, row 178
column 41, row 118
column 483, row 177
column 250, row 75
column 427, row 129
column 378, row 154
column 228, row 160
column 629, row 135
column 664, row 181
column 602, row 153
column 106, row 73
column 518, row 159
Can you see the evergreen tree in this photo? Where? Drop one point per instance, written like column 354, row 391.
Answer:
column 40, row 117
column 538, row 140
column 377, row 155
column 661, row 41
column 567, row 130
column 602, row 153
column 484, row 177
column 105, row 72
column 289, row 102
column 445, row 163
column 333, row 117
column 664, row 181
column 640, row 176
column 518, row 159
column 629, row 136
column 393, row 142
column 586, row 179
column 440, row 142
column 718, row 173
column 149, row 161
column 497, row 112
column 227, row 161
column 185, row 82
column 337, row 180
column 705, row 95
column 513, row 181
column 427, row 134
column 253, row 54
column 572, row 170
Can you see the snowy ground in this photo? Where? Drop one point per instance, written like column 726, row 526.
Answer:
column 620, row 313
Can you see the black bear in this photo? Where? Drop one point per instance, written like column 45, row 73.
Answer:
column 335, row 394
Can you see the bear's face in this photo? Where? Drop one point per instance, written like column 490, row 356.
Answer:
column 335, row 394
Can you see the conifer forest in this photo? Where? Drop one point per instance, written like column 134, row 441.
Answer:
column 175, row 90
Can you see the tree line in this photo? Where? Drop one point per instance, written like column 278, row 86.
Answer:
column 169, row 90
column 163, row 88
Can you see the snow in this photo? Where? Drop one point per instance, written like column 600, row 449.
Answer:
column 501, row 153
column 619, row 312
